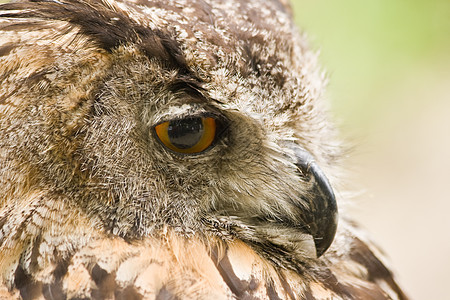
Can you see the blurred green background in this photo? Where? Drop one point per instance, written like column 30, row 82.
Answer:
column 371, row 47
column 389, row 68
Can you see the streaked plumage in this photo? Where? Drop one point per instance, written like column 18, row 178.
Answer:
column 94, row 205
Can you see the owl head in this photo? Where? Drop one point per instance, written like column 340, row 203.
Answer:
column 143, row 115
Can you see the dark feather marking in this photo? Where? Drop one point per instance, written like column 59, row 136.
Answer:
column 361, row 254
column 330, row 282
column 129, row 293
column 6, row 49
column 271, row 292
column 226, row 271
column 106, row 283
column 376, row 269
column 286, row 286
column 106, row 27
column 53, row 291
column 35, row 251
column 29, row 289
column 373, row 292
column 98, row 274
column 307, row 294
column 240, row 288
column 4, row 219
column 61, row 269
column 165, row 294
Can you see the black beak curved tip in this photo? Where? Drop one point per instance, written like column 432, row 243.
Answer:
column 323, row 218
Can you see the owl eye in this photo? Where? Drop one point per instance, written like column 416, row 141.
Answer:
column 188, row 136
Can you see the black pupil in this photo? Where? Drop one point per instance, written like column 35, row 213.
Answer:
column 185, row 133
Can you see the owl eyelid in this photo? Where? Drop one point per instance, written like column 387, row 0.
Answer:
column 215, row 116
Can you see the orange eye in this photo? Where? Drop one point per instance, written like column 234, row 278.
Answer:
column 188, row 136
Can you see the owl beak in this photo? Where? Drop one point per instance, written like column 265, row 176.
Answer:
column 323, row 215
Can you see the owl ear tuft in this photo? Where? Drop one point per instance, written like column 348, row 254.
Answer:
column 106, row 26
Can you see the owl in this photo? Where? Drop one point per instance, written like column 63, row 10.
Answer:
column 171, row 149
